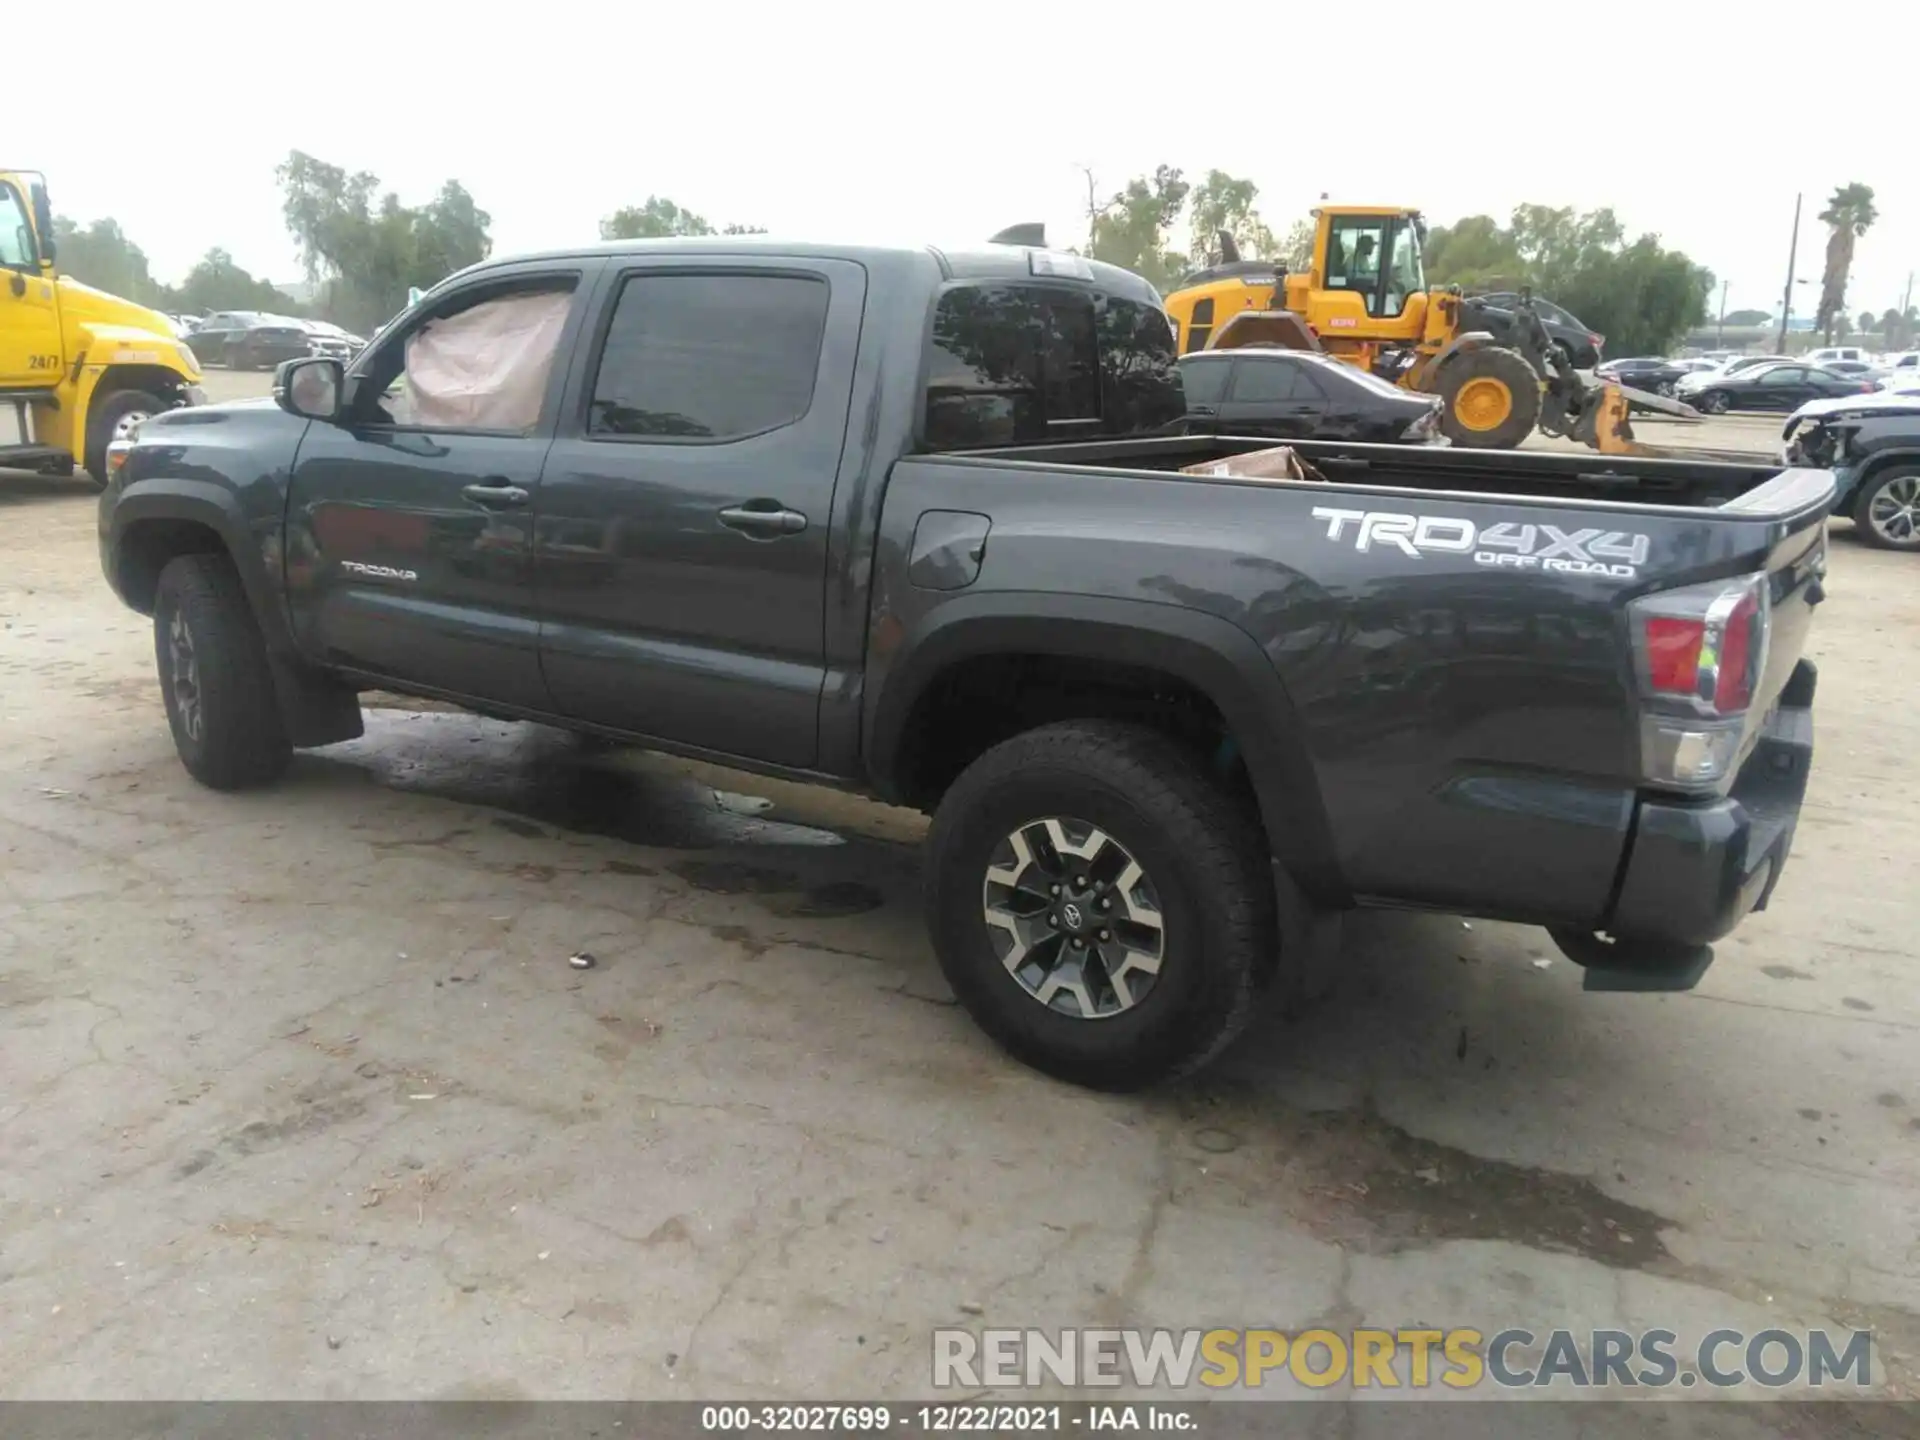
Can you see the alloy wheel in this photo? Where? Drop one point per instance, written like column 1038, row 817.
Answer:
column 1894, row 512
column 185, row 679
column 1074, row 918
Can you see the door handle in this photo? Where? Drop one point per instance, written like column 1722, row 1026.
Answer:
column 1201, row 410
column 763, row 519
column 496, row 494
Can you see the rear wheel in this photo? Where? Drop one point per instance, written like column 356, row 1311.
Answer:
column 1492, row 398
column 1887, row 514
column 1101, row 904
column 214, row 676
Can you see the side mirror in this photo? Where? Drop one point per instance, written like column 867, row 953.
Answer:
column 310, row 388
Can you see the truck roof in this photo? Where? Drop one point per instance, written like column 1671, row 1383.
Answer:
column 978, row 262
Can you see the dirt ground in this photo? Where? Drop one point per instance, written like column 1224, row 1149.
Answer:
column 300, row 1096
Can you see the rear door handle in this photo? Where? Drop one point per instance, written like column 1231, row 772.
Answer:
column 496, row 493
column 763, row 519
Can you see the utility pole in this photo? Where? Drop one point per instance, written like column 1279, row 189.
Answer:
column 1720, row 336
column 1786, row 301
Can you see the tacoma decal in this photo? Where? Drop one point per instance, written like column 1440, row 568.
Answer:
column 378, row 572
column 1505, row 546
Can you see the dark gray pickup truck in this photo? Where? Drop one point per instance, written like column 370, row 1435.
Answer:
column 912, row 522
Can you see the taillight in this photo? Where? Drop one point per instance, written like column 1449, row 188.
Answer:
column 1700, row 652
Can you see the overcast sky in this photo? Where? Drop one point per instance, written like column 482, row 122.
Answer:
column 912, row 122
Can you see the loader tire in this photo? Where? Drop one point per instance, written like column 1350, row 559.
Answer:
column 1492, row 399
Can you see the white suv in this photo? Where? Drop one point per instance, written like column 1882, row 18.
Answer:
column 1836, row 352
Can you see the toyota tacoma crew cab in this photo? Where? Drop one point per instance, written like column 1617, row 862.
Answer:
column 925, row 524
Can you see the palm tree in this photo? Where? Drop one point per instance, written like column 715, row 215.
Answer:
column 1849, row 214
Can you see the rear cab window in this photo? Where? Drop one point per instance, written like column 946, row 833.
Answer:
column 1012, row 364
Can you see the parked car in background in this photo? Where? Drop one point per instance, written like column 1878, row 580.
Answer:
column 1301, row 395
column 1644, row 372
column 1835, row 352
column 1692, row 384
column 248, row 340
column 1905, row 365
column 1872, row 446
column 1569, row 331
column 1854, row 369
column 1775, row 387
column 332, row 342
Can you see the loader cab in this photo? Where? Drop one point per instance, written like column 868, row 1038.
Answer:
column 1368, row 277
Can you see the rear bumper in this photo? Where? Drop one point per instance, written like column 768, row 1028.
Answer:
column 1695, row 871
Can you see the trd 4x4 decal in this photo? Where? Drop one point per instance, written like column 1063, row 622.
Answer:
column 1505, row 546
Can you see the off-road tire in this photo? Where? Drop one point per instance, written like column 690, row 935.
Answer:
column 1209, row 865
column 241, row 742
column 1862, row 503
column 1492, row 362
column 106, row 416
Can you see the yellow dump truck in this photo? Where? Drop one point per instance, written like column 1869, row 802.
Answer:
column 78, row 368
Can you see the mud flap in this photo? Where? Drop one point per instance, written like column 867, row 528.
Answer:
column 315, row 709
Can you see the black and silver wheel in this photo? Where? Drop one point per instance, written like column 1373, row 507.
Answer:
column 1714, row 402
column 115, row 417
column 1073, row 918
column 1100, row 903
column 214, row 676
column 1887, row 513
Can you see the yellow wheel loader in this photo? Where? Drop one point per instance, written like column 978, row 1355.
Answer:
column 1365, row 301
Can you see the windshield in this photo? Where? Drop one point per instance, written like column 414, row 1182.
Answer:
column 1404, row 276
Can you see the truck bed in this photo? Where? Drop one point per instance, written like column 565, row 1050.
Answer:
column 1692, row 484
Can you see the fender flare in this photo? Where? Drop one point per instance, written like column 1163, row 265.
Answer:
column 218, row 509
column 1213, row 655
column 1461, row 344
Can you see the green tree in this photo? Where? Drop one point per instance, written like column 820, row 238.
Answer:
column 1641, row 296
column 1296, row 247
column 1848, row 216
column 1749, row 317
column 368, row 247
column 1222, row 202
column 1131, row 230
column 660, row 218
column 217, row 283
column 1900, row 329
column 1474, row 252
column 101, row 255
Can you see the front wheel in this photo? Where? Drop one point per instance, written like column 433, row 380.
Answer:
column 1492, row 398
column 115, row 417
column 214, row 676
column 1101, row 904
column 1714, row 402
column 1887, row 514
